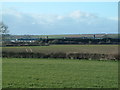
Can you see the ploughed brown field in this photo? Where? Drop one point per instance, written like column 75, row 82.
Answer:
column 101, row 49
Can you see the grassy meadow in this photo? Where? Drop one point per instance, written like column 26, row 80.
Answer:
column 59, row 73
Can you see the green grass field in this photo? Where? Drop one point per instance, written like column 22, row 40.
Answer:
column 103, row 49
column 59, row 73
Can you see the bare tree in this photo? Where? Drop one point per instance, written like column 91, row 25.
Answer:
column 3, row 28
column 3, row 33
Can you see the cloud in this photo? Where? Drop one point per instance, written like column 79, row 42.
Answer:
column 74, row 22
column 114, row 18
column 76, row 14
column 81, row 15
column 44, row 19
column 12, row 12
column 60, row 17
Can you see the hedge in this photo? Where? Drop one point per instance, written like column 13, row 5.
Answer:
column 88, row 56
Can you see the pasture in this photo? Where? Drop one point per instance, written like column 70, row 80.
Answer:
column 101, row 49
column 59, row 73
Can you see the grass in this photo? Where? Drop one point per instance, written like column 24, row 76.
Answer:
column 59, row 73
column 103, row 49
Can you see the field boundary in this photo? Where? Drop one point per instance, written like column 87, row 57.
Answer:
column 74, row 55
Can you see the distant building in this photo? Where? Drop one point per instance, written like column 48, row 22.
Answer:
column 23, row 40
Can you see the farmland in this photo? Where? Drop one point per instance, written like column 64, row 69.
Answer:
column 102, row 49
column 59, row 73
column 39, row 72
